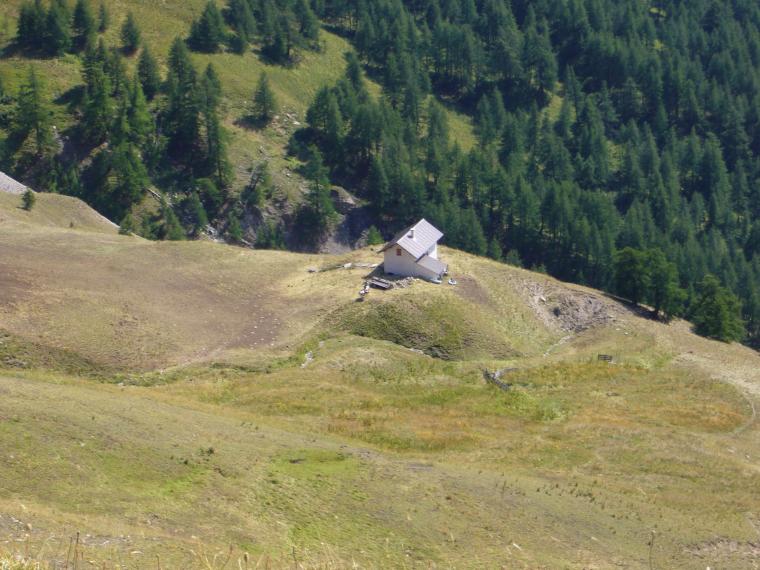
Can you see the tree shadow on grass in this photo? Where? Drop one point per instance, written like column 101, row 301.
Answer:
column 14, row 49
column 638, row 310
column 252, row 123
column 72, row 98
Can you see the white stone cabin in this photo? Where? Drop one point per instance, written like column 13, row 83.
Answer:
column 414, row 253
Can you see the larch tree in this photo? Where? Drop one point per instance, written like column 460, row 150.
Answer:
column 130, row 35
column 265, row 104
column 147, row 71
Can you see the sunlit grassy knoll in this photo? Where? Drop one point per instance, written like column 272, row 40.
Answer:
column 54, row 211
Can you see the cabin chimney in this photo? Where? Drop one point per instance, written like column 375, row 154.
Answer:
column 411, row 233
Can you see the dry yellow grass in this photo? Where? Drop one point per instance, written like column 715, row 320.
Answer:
column 368, row 454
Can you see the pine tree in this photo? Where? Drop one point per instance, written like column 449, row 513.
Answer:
column 172, row 230
column 308, row 25
column 264, row 101
column 717, row 312
column 147, row 71
column 183, row 107
column 104, row 18
column 234, row 230
column 210, row 195
column 130, row 35
column 141, row 123
column 374, row 237
column 539, row 61
column 278, row 44
column 32, row 26
column 128, row 179
column 239, row 42
column 260, row 185
column 116, row 69
column 319, row 210
column 378, row 185
column 85, row 27
column 207, row 33
column 127, row 225
column 198, row 213
column 216, row 148
column 98, row 107
column 217, row 164
column 494, row 249
column 632, row 275
column 57, row 29
column 211, row 87
column 664, row 294
column 270, row 236
column 355, row 75
column 33, row 115
column 120, row 131
column 241, row 18
column 28, row 200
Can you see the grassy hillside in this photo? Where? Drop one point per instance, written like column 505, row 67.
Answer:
column 54, row 211
column 179, row 404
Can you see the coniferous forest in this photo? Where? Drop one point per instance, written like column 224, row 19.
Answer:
column 618, row 141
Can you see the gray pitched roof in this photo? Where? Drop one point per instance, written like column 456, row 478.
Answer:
column 416, row 239
column 431, row 263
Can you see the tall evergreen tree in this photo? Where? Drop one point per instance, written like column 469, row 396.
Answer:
column 32, row 26
column 207, row 33
column 147, row 71
column 318, row 210
column 198, row 213
column 33, row 117
column 104, row 17
column 632, row 274
column 264, row 101
column 664, row 294
column 183, row 106
column 57, row 28
column 717, row 312
column 216, row 145
column 130, row 35
column 140, row 121
column 85, row 27
column 98, row 106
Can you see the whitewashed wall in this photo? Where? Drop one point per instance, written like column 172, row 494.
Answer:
column 405, row 265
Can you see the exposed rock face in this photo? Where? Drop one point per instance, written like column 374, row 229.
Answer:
column 567, row 310
column 344, row 202
column 351, row 230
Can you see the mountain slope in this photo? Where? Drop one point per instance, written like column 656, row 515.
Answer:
column 54, row 211
column 336, row 449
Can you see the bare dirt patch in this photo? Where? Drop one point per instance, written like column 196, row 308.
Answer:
column 568, row 310
column 724, row 548
column 472, row 290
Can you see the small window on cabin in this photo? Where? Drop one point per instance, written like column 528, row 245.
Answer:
column 398, row 251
